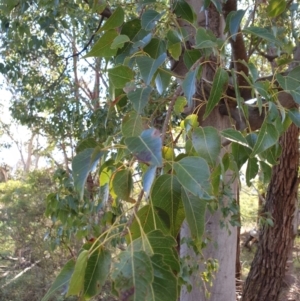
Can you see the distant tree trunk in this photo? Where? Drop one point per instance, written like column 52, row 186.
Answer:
column 268, row 267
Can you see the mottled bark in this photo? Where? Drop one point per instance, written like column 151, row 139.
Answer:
column 268, row 267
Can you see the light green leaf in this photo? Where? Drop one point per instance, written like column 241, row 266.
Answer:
column 82, row 164
column 235, row 136
column 262, row 33
column 149, row 66
column 77, row 279
column 204, row 39
column 147, row 147
column 61, row 280
column 180, row 103
column 140, row 98
column 102, row 46
column 190, row 122
column 119, row 41
column 219, row 85
column 114, row 21
column 252, row 170
column 149, row 17
column 276, row 8
column 122, row 184
column 132, row 125
column 189, row 175
column 120, row 75
column 189, row 85
column 96, row 273
column 166, row 194
column 267, row 137
column 175, row 50
column 183, row 10
column 207, row 143
column 132, row 275
column 195, row 214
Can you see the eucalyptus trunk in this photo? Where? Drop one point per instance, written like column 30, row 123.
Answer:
column 268, row 267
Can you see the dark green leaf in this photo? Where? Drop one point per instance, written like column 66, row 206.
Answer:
column 120, row 75
column 190, row 57
column 166, row 194
column 162, row 80
column 219, row 85
column 252, row 170
column 140, row 98
column 147, row 147
column 183, row 10
column 155, row 48
column 149, row 19
column 149, row 66
column 194, row 175
column 122, row 184
column 262, row 33
column 61, row 280
column 115, row 20
column 295, row 116
column 97, row 270
column 207, row 143
column 82, row 164
column 132, row 275
column 204, row 39
column 132, row 125
column 267, row 172
column 268, row 136
column 240, row 153
column 102, row 46
column 233, row 22
column 195, row 214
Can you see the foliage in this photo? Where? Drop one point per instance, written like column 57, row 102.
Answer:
column 132, row 184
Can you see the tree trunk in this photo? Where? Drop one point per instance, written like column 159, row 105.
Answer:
column 268, row 267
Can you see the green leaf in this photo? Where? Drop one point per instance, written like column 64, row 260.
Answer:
column 189, row 85
column 162, row 80
column 120, row 75
column 175, row 50
column 195, row 214
column 82, row 164
column 204, row 39
column 140, row 98
column 149, row 66
column 233, row 22
column 147, row 147
column 235, row 136
column 252, row 170
column 190, row 122
column 114, row 21
column 156, row 242
column 295, row 116
column 183, row 10
column 148, row 179
column 219, row 85
column 102, row 46
column 77, row 279
column 262, row 33
column 149, row 18
column 240, row 153
column 132, row 125
column 86, row 143
column 61, row 280
column 122, row 184
column 193, row 174
column 119, row 41
column 272, row 154
column 207, row 143
column 267, row 172
column 276, row 8
column 164, row 286
column 267, row 137
column 180, row 104
column 190, row 57
column 150, row 218
column 166, row 194
column 140, row 44
column 132, row 275
column 155, row 48
column 97, row 270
